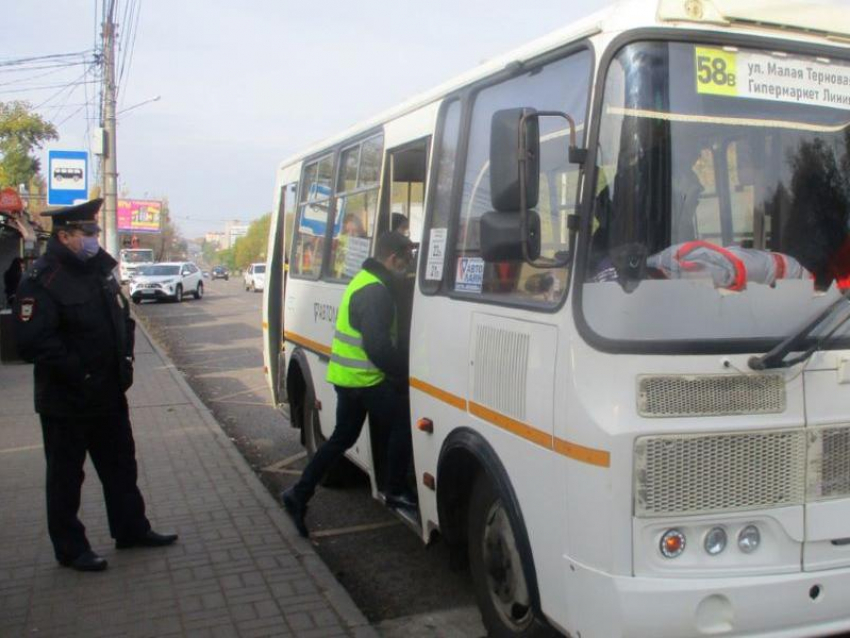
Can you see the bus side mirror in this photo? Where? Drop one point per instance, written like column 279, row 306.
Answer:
column 501, row 234
column 514, row 160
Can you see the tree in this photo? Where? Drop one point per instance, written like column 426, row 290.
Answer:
column 21, row 132
column 252, row 247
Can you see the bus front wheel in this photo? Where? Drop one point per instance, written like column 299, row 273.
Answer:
column 497, row 570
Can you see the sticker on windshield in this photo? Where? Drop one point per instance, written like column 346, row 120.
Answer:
column 758, row 76
column 470, row 274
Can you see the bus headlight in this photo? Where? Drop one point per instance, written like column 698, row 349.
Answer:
column 749, row 539
column 715, row 541
column 672, row 543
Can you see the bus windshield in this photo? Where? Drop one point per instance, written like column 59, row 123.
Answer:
column 136, row 256
column 722, row 197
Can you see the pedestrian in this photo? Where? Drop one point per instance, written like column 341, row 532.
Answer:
column 368, row 369
column 73, row 322
column 11, row 279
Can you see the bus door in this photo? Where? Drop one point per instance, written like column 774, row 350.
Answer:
column 274, row 292
column 403, row 210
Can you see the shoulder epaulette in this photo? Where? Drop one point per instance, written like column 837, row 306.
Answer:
column 40, row 268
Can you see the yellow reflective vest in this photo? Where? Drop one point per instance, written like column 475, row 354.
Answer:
column 349, row 366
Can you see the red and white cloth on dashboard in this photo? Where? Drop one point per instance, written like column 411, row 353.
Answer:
column 733, row 267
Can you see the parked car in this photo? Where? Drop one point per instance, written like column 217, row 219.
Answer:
column 170, row 280
column 220, row 272
column 255, row 277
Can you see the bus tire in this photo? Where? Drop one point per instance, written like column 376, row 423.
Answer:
column 343, row 473
column 497, row 571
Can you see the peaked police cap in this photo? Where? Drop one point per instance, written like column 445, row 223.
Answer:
column 81, row 216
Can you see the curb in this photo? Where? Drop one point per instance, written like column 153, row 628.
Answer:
column 333, row 592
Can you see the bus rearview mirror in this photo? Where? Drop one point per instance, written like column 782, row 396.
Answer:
column 502, row 236
column 514, row 159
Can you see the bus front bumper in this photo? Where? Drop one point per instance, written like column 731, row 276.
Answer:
column 779, row 605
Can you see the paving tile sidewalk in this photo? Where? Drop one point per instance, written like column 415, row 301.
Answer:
column 239, row 568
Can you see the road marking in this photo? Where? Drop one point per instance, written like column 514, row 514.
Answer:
column 354, row 529
column 266, row 405
column 236, row 394
column 279, row 466
column 205, row 363
column 25, row 448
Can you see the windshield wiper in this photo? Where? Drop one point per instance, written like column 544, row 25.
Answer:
column 775, row 358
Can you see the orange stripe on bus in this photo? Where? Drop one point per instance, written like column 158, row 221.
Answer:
column 437, row 393
column 583, row 454
column 307, row 343
column 577, row 452
column 511, row 425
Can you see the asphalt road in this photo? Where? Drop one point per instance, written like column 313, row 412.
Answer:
column 401, row 585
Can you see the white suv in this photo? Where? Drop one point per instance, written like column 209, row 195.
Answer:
column 255, row 277
column 170, row 280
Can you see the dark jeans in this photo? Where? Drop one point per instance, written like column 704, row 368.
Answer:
column 389, row 416
column 109, row 441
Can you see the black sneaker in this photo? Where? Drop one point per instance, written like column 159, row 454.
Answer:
column 403, row 500
column 296, row 510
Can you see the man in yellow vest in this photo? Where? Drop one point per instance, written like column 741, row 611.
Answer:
column 368, row 369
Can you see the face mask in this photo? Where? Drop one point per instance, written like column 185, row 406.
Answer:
column 89, row 247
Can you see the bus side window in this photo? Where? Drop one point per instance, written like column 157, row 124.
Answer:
column 403, row 210
column 558, row 86
column 313, row 212
column 288, row 196
column 356, row 205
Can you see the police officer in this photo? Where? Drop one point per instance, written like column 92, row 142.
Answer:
column 73, row 322
column 368, row 369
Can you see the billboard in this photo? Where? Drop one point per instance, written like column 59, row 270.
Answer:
column 138, row 216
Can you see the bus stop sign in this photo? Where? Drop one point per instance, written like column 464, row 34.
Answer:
column 67, row 177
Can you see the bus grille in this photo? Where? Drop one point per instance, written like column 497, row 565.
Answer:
column 829, row 463
column 501, row 370
column 688, row 474
column 710, row 395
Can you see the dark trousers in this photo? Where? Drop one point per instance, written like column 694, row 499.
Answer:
column 389, row 416
column 109, row 441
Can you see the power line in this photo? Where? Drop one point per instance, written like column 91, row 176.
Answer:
column 48, row 87
column 40, row 58
column 130, row 49
column 39, row 76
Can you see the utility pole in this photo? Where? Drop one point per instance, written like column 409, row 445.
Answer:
column 109, row 166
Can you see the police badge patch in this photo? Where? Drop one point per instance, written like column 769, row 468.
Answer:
column 27, row 309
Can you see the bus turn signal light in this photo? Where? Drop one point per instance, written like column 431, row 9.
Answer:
column 429, row 481
column 425, row 425
column 672, row 543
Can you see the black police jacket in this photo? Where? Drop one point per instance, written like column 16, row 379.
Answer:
column 74, row 324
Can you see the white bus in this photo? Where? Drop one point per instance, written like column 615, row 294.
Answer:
column 131, row 259
column 629, row 370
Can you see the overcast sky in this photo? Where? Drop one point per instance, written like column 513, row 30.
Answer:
column 243, row 85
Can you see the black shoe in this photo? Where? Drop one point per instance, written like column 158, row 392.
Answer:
column 150, row 539
column 406, row 500
column 296, row 510
column 88, row 561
